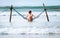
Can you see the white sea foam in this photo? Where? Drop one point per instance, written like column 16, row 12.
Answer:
column 35, row 13
column 19, row 25
column 29, row 30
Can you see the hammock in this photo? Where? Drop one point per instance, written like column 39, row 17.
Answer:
column 20, row 14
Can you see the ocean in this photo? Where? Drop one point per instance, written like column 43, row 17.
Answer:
column 40, row 27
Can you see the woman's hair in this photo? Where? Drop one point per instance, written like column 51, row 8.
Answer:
column 30, row 11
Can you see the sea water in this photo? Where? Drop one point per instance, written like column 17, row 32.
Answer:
column 20, row 26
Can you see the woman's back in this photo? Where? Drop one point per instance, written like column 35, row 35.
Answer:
column 30, row 16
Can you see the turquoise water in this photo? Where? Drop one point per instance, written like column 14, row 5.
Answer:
column 33, row 8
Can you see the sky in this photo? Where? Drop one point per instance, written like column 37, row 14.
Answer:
column 29, row 2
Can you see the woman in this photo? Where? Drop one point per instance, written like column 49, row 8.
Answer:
column 30, row 16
